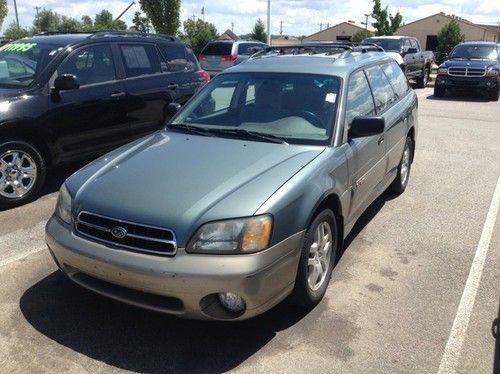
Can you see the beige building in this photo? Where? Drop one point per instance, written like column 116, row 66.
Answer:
column 426, row 30
column 342, row 31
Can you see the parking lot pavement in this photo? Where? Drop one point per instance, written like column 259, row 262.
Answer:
column 392, row 304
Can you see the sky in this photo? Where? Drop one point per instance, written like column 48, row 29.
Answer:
column 300, row 17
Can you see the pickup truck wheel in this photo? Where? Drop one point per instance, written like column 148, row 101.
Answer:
column 424, row 79
column 439, row 91
column 319, row 252
column 403, row 173
column 494, row 94
column 22, row 173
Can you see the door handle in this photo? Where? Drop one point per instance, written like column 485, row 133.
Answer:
column 381, row 140
column 118, row 94
column 172, row 86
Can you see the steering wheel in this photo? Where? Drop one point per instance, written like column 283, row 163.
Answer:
column 311, row 117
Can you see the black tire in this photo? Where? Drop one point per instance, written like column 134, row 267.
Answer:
column 494, row 94
column 399, row 184
column 7, row 148
column 303, row 295
column 424, row 78
column 439, row 91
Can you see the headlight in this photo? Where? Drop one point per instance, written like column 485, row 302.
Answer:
column 491, row 73
column 442, row 71
column 245, row 235
column 63, row 207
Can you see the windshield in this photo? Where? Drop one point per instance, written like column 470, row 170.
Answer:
column 22, row 62
column 390, row 45
column 297, row 108
column 482, row 52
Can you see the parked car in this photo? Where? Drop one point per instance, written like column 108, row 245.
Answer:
column 247, row 195
column 416, row 63
column 471, row 65
column 74, row 97
column 222, row 54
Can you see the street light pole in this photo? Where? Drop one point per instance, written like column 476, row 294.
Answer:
column 366, row 24
column 17, row 17
column 269, row 22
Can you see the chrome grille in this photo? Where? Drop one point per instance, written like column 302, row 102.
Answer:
column 466, row 72
column 127, row 235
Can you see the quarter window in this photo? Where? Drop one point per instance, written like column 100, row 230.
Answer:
column 359, row 98
column 176, row 56
column 140, row 60
column 382, row 91
column 90, row 65
column 397, row 77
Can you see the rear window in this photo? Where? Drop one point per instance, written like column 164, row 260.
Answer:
column 218, row 49
column 176, row 56
column 140, row 59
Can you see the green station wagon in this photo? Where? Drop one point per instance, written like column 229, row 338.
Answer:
column 246, row 196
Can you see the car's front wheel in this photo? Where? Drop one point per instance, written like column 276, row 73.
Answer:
column 22, row 173
column 424, row 79
column 403, row 171
column 494, row 94
column 319, row 252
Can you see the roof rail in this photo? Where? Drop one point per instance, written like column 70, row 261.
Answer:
column 105, row 33
column 47, row 33
column 328, row 48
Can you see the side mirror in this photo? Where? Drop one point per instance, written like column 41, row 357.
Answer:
column 66, row 82
column 412, row 50
column 173, row 108
column 366, row 126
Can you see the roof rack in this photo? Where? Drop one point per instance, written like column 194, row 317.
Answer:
column 327, row 48
column 106, row 33
column 48, row 33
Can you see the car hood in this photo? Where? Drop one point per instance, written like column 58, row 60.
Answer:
column 7, row 93
column 480, row 64
column 396, row 56
column 181, row 181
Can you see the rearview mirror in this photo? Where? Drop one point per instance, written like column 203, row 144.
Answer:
column 66, row 82
column 173, row 108
column 366, row 126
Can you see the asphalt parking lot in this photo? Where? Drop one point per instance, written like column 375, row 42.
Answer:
column 403, row 298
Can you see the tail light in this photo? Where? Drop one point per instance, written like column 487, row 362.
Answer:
column 229, row 57
column 203, row 75
column 202, row 57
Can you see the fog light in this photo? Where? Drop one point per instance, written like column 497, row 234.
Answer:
column 232, row 302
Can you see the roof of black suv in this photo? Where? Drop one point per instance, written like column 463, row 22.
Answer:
column 480, row 42
column 65, row 39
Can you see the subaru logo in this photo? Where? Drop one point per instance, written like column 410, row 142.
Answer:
column 118, row 232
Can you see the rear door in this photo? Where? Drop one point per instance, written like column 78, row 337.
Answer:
column 217, row 56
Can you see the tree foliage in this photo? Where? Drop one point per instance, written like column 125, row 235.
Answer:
column 141, row 23
column 3, row 11
column 164, row 14
column 259, row 31
column 198, row 33
column 47, row 21
column 386, row 24
column 361, row 35
column 447, row 38
column 14, row 32
column 104, row 21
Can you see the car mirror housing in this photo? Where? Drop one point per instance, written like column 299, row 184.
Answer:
column 173, row 108
column 412, row 50
column 366, row 126
column 66, row 82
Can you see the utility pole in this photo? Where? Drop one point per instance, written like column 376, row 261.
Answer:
column 281, row 27
column 320, row 26
column 328, row 25
column 17, row 16
column 37, row 8
column 366, row 23
column 125, row 11
column 269, row 22
column 232, row 26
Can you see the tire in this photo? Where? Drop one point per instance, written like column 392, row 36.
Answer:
column 399, row 184
column 494, row 94
column 22, row 173
column 439, row 91
column 424, row 79
column 307, row 292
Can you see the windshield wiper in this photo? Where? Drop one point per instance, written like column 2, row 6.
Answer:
column 245, row 134
column 190, row 129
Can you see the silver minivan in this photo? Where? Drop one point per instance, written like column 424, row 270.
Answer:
column 222, row 54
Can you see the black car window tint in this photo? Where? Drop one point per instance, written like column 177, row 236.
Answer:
column 396, row 77
column 90, row 65
column 244, row 48
column 359, row 98
column 383, row 93
column 192, row 62
column 218, row 49
column 176, row 56
column 140, row 59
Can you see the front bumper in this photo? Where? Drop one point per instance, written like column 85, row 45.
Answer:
column 467, row 82
column 186, row 284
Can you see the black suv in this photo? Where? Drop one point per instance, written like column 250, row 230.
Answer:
column 69, row 97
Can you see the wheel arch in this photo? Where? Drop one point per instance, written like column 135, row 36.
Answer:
column 330, row 201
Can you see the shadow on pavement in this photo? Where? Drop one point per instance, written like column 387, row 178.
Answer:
column 495, row 331
column 465, row 96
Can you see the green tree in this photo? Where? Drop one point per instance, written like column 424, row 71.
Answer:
column 361, row 35
column 386, row 24
column 447, row 38
column 14, row 32
column 141, row 23
column 164, row 14
column 69, row 25
column 87, row 24
column 104, row 21
column 198, row 33
column 3, row 11
column 47, row 21
column 259, row 31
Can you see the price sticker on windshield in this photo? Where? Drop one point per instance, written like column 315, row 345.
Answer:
column 331, row 97
column 19, row 47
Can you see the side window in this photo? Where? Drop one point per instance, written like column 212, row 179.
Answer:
column 396, row 77
column 90, row 65
column 407, row 45
column 176, row 56
column 414, row 44
column 244, row 48
column 192, row 62
column 140, row 59
column 382, row 91
column 359, row 98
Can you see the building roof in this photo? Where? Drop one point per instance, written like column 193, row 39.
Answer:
column 451, row 17
column 361, row 26
column 228, row 35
